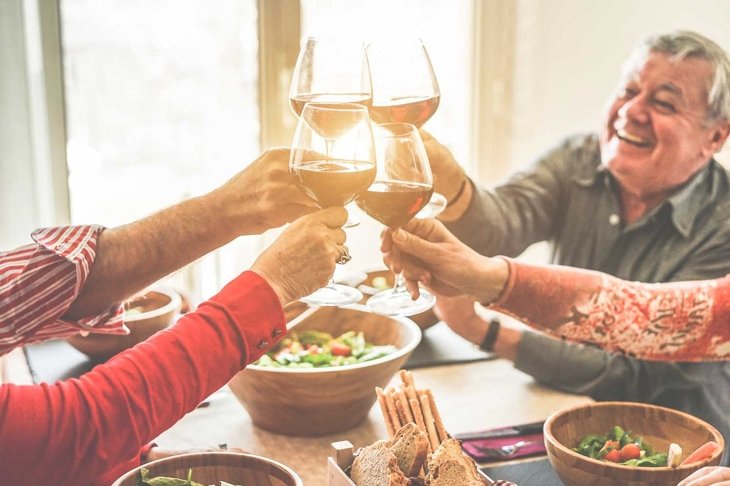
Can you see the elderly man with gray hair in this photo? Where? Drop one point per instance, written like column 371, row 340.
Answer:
column 643, row 200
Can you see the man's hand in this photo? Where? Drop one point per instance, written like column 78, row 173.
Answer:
column 447, row 173
column 429, row 253
column 449, row 178
column 263, row 195
column 303, row 258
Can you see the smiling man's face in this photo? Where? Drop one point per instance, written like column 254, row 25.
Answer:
column 656, row 134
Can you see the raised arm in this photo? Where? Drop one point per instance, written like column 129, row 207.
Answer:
column 677, row 321
column 130, row 257
column 682, row 321
column 90, row 430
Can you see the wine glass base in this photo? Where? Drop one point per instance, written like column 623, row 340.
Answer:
column 392, row 303
column 351, row 222
column 333, row 295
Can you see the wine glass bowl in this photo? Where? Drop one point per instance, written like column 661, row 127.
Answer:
column 403, row 186
column 404, row 86
column 332, row 155
column 330, row 70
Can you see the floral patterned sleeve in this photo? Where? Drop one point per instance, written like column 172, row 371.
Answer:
column 678, row 321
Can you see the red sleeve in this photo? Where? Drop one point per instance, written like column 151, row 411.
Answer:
column 90, row 430
column 677, row 321
column 39, row 282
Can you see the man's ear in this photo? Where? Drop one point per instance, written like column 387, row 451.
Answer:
column 718, row 135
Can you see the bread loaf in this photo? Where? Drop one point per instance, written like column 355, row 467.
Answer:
column 448, row 466
column 376, row 465
column 410, row 446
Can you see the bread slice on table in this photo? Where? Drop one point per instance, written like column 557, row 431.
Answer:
column 449, row 466
column 410, row 446
column 376, row 465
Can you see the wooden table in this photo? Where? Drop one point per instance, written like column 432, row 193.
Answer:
column 470, row 397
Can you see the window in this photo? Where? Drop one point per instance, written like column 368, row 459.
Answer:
column 161, row 105
column 162, row 101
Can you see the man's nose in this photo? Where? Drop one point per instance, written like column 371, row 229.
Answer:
column 636, row 110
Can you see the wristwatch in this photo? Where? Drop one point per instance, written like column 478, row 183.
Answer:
column 491, row 337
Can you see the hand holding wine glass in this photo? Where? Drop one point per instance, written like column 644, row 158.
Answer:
column 402, row 187
column 332, row 161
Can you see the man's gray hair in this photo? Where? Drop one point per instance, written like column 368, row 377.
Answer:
column 684, row 43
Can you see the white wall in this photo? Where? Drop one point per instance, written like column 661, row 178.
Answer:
column 569, row 53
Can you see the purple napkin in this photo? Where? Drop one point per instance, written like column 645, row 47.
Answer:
column 487, row 450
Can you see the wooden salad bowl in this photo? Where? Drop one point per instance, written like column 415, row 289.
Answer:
column 144, row 315
column 658, row 426
column 320, row 401
column 214, row 467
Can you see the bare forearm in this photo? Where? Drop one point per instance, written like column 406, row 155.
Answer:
column 133, row 256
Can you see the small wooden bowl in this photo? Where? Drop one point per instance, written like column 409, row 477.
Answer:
column 155, row 310
column 658, row 426
column 320, row 401
column 424, row 320
column 214, row 467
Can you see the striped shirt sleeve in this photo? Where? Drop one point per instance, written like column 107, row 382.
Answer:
column 38, row 283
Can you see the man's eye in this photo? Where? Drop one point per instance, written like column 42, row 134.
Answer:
column 665, row 106
column 626, row 93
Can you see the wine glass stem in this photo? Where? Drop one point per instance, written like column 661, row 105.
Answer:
column 400, row 284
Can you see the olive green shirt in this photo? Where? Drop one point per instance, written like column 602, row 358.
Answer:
column 569, row 199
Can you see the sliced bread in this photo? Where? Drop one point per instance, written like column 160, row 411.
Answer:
column 410, row 446
column 376, row 465
column 448, row 466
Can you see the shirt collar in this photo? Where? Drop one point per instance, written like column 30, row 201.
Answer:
column 684, row 206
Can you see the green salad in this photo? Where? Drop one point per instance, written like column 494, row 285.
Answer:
column 145, row 480
column 316, row 349
column 621, row 447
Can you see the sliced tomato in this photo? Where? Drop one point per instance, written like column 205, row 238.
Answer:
column 613, row 456
column 609, row 445
column 339, row 349
column 630, row 451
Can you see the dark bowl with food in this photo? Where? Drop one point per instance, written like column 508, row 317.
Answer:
column 214, row 467
column 144, row 315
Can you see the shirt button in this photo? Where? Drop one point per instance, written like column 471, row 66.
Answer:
column 262, row 344
column 614, row 219
column 275, row 332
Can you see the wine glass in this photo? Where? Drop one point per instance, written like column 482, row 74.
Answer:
column 403, row 185
column 332, row 160
column 405, row 89
column 330, row 70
